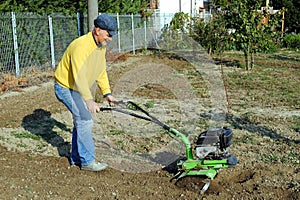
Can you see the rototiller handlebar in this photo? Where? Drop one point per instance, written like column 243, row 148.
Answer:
column 129, row 105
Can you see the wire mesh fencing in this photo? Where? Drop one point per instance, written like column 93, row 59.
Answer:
column 7, row 62
column 31, row 41
column 25, row 41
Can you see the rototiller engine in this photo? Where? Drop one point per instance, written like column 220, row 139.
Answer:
column 211, row 148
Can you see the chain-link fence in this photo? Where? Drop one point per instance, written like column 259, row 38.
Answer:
column 33, row 41
column 38, row 41
column 7, row 61
column 30, row 41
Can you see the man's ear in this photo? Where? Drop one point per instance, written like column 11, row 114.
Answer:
column 97, row 31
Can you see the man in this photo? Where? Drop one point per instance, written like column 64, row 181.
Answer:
column 82, row 65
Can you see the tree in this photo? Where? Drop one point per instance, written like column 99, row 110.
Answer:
column 250, row 33
column 238, row 24
column 43, row 6
column 174, row 36
column 123, row 6
column 71, row 6
column 292, row 14
column 213, row 35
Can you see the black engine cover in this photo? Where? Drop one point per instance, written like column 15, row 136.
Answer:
column 221, row 137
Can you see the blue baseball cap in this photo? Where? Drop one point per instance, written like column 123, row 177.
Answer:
column 106, row 22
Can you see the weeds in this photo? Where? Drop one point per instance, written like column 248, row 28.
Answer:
column 116, row 132
column 247, row 139
column 21, row 145
column 275, row 81
column 27, row 135
column 149, row 104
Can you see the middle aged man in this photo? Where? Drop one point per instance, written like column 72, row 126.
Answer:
column 82, row 65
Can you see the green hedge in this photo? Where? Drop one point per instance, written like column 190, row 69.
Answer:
column 291, row 41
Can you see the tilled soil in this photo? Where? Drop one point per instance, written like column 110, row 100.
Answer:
column 35, row 138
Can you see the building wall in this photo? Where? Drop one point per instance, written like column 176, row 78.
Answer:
column 173, row 6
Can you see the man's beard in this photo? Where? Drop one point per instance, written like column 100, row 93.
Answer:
column 103, row 43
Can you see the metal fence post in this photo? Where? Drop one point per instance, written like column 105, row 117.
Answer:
column 51, row 42
column 15, row 38
column 119, row 35
column 132, row 27
column 155, row 25
column 145, row 31
column 78, row 24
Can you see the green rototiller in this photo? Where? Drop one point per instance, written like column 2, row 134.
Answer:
column 211, row 148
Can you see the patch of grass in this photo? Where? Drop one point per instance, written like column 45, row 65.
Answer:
column 272, row 77
column 149, row 104
column 41, row 146
column 173, row 123
column 296, row 128
column 29, row 157
column 296, row 124
column 293, row 154
column 28, row 190
column 247, row 139
column 154, row 91
column 193, row 73
column 21, row 145
column 116, row 132
column 27, row 135
column 270, row 158
column 292, row 158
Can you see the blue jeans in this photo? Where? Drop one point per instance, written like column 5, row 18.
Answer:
column 83, row 149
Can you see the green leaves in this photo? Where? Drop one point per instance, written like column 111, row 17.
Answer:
column 175, row 35
column 180, row 22
column 251, row 34
column 239, row 25
column 213, row 35
column 71, row 7
column 291, row 41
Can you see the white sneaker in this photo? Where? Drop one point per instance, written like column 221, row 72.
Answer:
column 94, row 166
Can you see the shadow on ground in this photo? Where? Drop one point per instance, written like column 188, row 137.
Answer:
column 244, row 123
column 285, row 58
column 42, row 124
column 228, row 63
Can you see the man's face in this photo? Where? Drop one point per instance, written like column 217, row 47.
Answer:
column 103, row 36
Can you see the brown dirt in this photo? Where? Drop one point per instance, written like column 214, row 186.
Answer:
column 35, row 132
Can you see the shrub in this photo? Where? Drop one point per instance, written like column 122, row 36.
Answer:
column 291, row 41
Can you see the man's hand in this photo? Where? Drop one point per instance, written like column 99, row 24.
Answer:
column 92, row 106
column 110, row 100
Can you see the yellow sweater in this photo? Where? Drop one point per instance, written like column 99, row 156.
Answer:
column 82, row 64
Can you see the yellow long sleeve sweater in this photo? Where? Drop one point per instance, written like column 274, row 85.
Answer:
column 82, row 64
